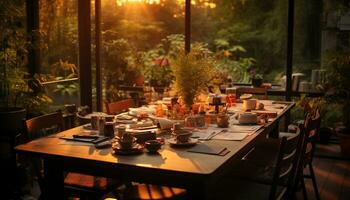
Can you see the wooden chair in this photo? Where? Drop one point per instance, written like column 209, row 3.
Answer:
column 312, row 126
column 261, row 91
column 75, row 183
column 116, row 107
column 266, row 178
column 138, row 191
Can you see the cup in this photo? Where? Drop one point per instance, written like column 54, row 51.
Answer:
column 182, row 136
column 126, row 141
column 94, row 122
column 109, row 129
column 190, row 121
column 222, row 121
column 153, row 145
column 249, row 104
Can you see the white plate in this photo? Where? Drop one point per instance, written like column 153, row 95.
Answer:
column 190, row 142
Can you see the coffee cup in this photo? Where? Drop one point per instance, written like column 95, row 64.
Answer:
column 153, row 145
column 126, row 141
column 249, row 104
column 222, row 121
column 183, row 137
column 94, row 122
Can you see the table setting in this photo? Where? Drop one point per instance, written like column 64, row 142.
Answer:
column 148, row 128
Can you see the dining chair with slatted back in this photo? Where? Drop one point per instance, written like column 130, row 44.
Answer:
column 266, row 178
column 140, row 191
column 285, row 163
column 118, row 106
column 311, row 126
column 75, row 183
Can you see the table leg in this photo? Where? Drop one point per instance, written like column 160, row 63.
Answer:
column 54, row 180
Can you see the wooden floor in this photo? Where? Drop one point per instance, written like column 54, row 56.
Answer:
column 332, row 174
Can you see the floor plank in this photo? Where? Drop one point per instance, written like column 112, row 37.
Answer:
column 332, row 174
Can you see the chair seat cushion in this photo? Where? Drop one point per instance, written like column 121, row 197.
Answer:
column 86, row 181
column 150, row 192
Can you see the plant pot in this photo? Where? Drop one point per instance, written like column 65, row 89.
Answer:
column 344, row 140
column 257, row 82
column 325, row 135
column 11, row 119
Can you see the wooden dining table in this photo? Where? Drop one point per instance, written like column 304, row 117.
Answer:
column 175, row 167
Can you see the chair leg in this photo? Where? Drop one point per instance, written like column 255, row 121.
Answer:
column 313, row 178
column 303, row 188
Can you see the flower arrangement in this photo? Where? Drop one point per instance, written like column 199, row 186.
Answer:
column 192, row 71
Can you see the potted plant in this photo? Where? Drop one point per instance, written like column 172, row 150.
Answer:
column 193, row 71
column 337, row 85
column 17, row 90
column 12, row 57
column 257, row 79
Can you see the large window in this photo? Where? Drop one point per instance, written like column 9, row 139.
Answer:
column 246, row 36
column 137, row 37
column 59, row 49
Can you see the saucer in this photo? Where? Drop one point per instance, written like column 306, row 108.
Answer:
column 136, row 149
column 190, row 142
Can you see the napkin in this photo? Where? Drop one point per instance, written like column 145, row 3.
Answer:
column 209, row 149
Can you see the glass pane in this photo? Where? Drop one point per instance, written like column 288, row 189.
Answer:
column 136, row 37
column 59, row 50
column 248, row 38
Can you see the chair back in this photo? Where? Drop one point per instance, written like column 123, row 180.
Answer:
column 261, row 91
column 310, row 124
column 313, row 130
column 116, row 107
column 38, row 127
column 285, row 164
column 44, row 125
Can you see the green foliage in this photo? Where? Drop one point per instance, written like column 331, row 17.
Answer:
column 337, row 83
column 193, row 71
column 16, row 88
column 230, row 60
column 156, row 66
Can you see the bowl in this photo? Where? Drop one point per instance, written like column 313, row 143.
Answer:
column 153, row 145
column 222, row 121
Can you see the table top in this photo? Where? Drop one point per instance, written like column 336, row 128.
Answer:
column 169, row 158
